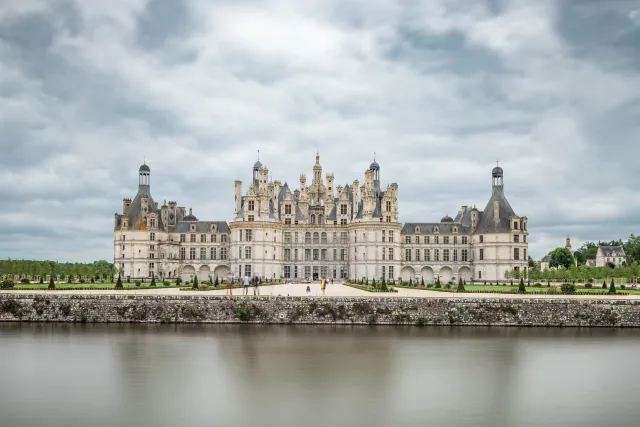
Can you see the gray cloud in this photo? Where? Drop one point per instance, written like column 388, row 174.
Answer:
column 439, row 89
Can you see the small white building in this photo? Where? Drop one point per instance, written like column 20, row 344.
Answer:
column 610, row 255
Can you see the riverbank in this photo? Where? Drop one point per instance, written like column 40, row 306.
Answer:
column 312, row 310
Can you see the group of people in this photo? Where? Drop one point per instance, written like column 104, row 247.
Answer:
column 323, row 287
column 255, row 282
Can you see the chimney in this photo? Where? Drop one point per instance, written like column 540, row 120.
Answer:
column 238, row 196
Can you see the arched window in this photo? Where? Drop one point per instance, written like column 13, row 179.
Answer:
column 313, row 219
column 436, row 230
column 323, row 238
column 307, row 238
column 316, row 238
column 417, row 229
column 320, row 219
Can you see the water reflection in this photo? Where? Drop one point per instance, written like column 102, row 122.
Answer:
column 239, row 375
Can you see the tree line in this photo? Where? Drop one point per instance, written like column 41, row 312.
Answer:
column 34, row 270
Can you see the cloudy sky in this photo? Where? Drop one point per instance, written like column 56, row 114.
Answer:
column 440, row 89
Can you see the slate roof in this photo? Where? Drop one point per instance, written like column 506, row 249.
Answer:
column 427, row 228
column 202, row 226
column 487, row 222
column 612, row 251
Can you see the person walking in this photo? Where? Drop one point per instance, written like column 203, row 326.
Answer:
column 245, row 289
column 256, row 282
column 230, row 287
column 309, row 291
column 323, row 285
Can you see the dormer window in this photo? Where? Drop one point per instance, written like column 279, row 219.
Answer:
column 251, row 205
column 436, row 229
column 192, row 227
column 515, row 224
column 213, row 228
column 417, row 229
column 455, row 229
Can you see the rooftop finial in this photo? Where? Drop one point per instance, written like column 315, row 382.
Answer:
column 258, row 155
column 374, row 156
column 498, row 163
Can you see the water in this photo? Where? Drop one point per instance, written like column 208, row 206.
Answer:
column 239, row 375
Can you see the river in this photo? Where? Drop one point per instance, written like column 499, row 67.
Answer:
column 68, row 375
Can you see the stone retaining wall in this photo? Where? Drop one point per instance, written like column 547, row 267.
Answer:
column 305, row 310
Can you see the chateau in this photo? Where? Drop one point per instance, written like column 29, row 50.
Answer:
column 319, row 229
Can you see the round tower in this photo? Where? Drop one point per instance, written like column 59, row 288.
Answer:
column 497, row 175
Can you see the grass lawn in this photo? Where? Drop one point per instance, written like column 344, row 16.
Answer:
column 73, row 286
column 529, row 289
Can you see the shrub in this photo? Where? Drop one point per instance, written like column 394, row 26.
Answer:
column 623, row 287
column 612, row 288
column 588, row 285
column 82, row 281
column 568, row 288
column 521, row 288
column 93, row 280
column 437, row 285
column 138, row 283
column 195, row 282
column 460, row 286
column 216, row 283
column 604, row 284
column 165, row 283
column 430, row 285
column 41, row 282
column 51, row 284
column 25, row 281
column 178, row 281
column 552, row 290
column 153, row 281
column 119, row 283
column 6, row 284
column 537, row 285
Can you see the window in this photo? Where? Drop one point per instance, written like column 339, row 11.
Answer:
column 388, row 206
column 295, row 237
column 295, row 254
column 247, row 252
column 323, row 238
column 287, row 221
column 313, row 219
column 287, row 272
column 427, row 255
column 417, row 254
column 240, row 252
column 426, row 240
column 383, row 271
column 455, row 240
column 307, row 254
column 343, row 254
column 445, row 255
column 213, row 253
column 248, row 235
column 307, row 238
column 524, row 254
column 287, row 209
column 384, row 254
column 152, row 256
column 390, row 254
column 436, row 230
column 417, row 240
column 124, row 237
column 516, row 238
column 407, row 255
column 384, row 235
column 455, row 255
column 192, row 253
column 481, row 257
column 343, row 209
column 388, row 219
column 183, row 238
column 192, row 238
column 343, row 237
column 252, row 205
column 316, row 238
column 287, row 254
column 203, row 253
column 515, row 224
column 316, row 254
column 183, row 253
column 335, row 254
column 250, row 218
column 516, row 254
column 436, row 240
column 247, row 270
column 465, row 255
column 203, row 238
column 343, row 221
column 390, row 236
column 287, row 237
column 323, row 254
column 213, row 238
column 223, row 238
column 481, row 239
column 223, row 253
column 464, row 240
column 407, row 239
column 152, row 222
column 524, row 238
column 152, row 236
column 445, row 240
column 479, row 274
column 436, row 254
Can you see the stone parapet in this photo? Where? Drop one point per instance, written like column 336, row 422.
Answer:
column 314, row 310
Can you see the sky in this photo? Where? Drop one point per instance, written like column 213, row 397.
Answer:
column 438, row 89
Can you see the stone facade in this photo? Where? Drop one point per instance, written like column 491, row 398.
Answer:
column 319, row 229
column 610, row 255
column 309, row 310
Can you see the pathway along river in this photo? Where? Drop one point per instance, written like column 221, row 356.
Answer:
column 67, row 375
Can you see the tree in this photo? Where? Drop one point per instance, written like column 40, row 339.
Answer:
column 521, row 288
column 460, row 286
column 410, row 281
column 422, row 280
column 119, row 283
column 195, row 282
column 604, row 284
column 561, row 257
column 153, row 281
column 373, row 283
column 568, row 288
column 580, row 257
column 41, row 281
column 217, row 283
column 52, row 285
column 612, row 288
column 531, row 262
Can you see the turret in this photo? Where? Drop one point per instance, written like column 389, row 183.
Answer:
column 126, row 202
column 144, row 179
column 317, row 170
column 238, row 196
column 356, row 197
column 303, row 182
